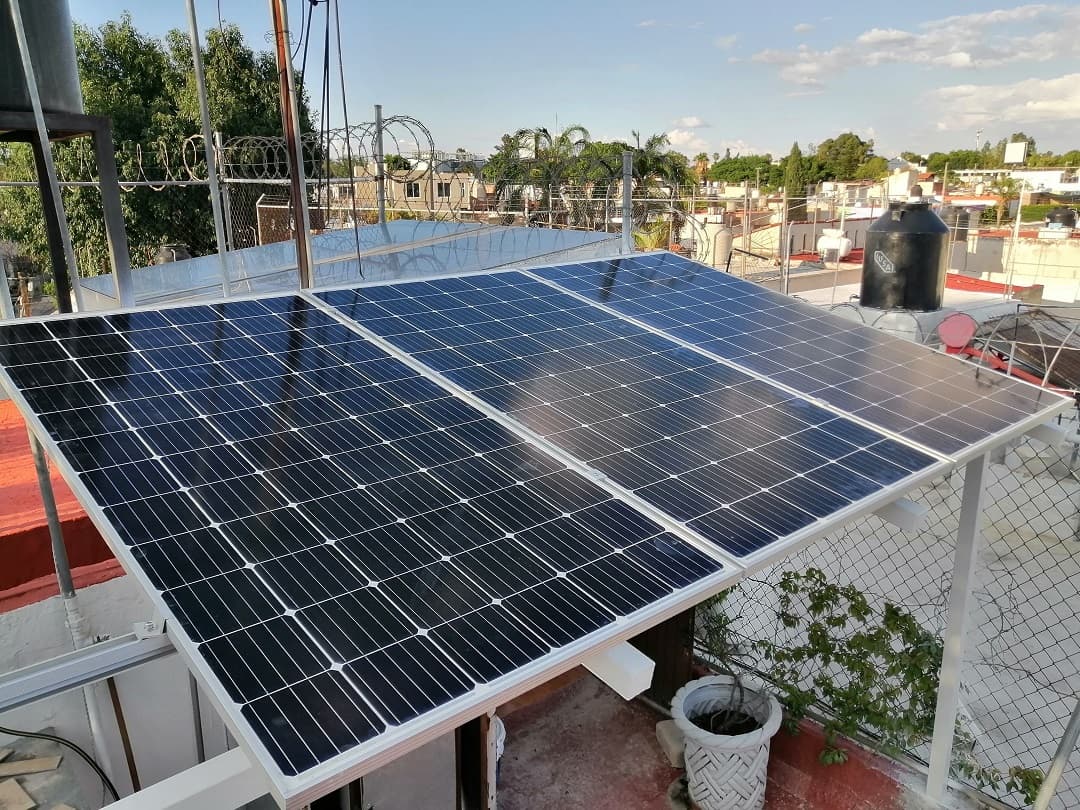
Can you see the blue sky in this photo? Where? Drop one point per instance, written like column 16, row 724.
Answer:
column 750, row 77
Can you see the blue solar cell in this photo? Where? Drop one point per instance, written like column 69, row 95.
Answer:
column 292, row 491
column 684, row 432
column 806, row 348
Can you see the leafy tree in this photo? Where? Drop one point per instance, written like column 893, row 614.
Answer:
column 145, row 86
column 795, row 183
column 396, row 163
column 912, row 157
column 843, row 155
column 874, row 168
column 745, row 169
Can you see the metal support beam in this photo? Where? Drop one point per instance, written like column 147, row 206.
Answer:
column 43, row 155
column 115, row 233
column 65, row 299
column 1061, row 759
column 227, row 780
column 290, row 123
column 960, row 604
column 627, row 201
column 79, row 668
column 7, row 306
column 208, row 142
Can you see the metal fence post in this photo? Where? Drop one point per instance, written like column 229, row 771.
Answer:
column 380, row 168
column 627, row 201
column 226, row 203
column 960, row 605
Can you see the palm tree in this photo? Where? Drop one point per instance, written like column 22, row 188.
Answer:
column 701, row 164
column 1006, row 189
column 554, row 157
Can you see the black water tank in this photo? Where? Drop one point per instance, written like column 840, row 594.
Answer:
column 1063, row 215
column 905, row 259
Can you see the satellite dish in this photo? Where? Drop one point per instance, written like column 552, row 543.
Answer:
column 957, row 330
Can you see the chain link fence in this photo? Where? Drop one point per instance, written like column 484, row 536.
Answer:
column 1021, row 674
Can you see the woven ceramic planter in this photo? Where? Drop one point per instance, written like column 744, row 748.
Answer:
column 726, row 772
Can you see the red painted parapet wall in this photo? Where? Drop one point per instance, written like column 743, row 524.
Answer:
column 26, row 565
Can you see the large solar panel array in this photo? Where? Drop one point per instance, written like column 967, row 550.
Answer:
column 738, row 460
column 360, row 538
column 347, row 545
column 936, row 401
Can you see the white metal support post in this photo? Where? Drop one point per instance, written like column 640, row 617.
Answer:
column 627, row 201
column 7, row 307
column 208, row 143
column 960, row 605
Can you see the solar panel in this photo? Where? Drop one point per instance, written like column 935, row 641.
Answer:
column 743, row 463
column 343, row 547
column 936, row 401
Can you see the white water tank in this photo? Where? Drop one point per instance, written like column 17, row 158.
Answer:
column 833, row 243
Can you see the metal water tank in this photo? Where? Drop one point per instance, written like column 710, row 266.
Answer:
column 905, row 259
column 51, row 38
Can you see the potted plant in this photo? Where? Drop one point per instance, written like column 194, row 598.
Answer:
column 727, row 721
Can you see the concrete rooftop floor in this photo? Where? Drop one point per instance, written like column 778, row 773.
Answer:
column 585, row 748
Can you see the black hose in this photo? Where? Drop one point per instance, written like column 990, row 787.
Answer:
column 109, row 786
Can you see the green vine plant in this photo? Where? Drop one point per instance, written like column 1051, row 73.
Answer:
column 873, row 669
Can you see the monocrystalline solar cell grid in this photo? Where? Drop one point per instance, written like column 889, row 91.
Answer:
column 348, row 545
column 740, row 461
column 913, row 391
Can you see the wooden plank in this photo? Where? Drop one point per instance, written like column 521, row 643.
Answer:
column 13, row 797
column 21, row 766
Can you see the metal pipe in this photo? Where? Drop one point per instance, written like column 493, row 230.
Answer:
column 46, row 157
column 208, row 141
column 76, row 621
column 290, row 122
column 52, row 519
column 1061, row 759
column 785, row 246
column 380, row 168
column 627, row 201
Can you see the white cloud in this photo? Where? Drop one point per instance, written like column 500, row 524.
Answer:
column 687, row 139
column 647, row 24
column 963, row 106
column 802, row 28
column 881, row 36
column 1036, row 32
column 690, row 122
column 725, row 42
